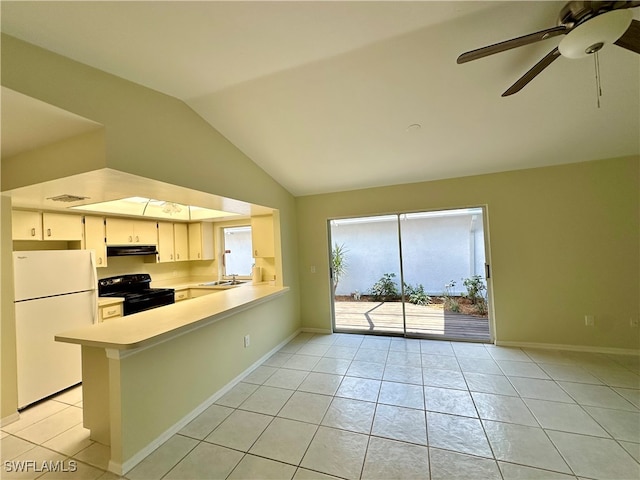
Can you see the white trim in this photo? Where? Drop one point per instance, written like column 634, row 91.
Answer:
column 121, row 469
column 14, row 417
column 317, row 330
column 572, row 348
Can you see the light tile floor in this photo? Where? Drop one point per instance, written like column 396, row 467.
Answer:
column 356, row 407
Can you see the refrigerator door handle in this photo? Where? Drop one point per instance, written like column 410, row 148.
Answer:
column 94, row 273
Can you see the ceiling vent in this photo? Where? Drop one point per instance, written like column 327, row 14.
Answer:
column 67, row 198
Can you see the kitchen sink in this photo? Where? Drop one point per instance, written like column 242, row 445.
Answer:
column 223, row 283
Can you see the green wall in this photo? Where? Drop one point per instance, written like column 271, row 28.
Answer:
column 564, row 242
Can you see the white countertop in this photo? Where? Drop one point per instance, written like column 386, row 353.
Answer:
column 148, row 327
column 104, row 301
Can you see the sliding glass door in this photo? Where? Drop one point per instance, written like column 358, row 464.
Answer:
column 416, row 274
column 366, row 274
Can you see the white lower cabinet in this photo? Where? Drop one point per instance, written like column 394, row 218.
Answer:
column 109, row 312
column 182, row 294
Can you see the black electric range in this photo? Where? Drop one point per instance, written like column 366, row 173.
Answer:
column 135, row 290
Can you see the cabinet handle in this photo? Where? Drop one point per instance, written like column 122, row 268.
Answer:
column 130, row 238
column 48, row 232
column 178, row 256
column 99, row 260
column 111, row 312
column 137, row 238
column 255, row 253
column 198, row 254
column 171, row 256
column 33, row 232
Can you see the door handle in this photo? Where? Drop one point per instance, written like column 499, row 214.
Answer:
column 33, row 232
column 48, row 232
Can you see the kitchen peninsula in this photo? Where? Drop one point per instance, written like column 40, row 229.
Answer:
column 146, row 375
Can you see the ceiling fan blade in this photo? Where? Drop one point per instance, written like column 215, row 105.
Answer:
column 631, row 38
column 534, row 72
column 513, row 43
column 626, row 4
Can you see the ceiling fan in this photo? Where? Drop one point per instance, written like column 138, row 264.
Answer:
column 588, row 27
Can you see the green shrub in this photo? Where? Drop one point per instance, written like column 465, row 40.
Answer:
column 385, row 289
column 451, row 304
column 481, row 307
column 417, row 295
column 338, row 263
column 475, row 286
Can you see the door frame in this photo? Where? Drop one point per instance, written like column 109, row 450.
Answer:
column 488, row 276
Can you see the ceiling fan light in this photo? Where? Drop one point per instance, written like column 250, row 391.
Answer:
column 604, row 29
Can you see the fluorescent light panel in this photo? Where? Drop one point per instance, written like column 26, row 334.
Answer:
column 149, row 207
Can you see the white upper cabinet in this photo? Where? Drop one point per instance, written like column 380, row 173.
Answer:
column 201, row 241
column 26, row 225
column 123, row 231
column 173, row 242
column 181, row 242
column 94, row 239
column 61, row 226
column 166, row 246
column 262, row 236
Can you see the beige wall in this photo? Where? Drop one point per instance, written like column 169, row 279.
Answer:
column 208, row 359
column 564, row 242
column 81, row 153
column 156, row 136
column 9, row 387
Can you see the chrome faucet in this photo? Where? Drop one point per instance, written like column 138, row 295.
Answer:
column 233, row 278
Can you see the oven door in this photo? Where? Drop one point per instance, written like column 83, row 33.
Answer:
column 141, row 302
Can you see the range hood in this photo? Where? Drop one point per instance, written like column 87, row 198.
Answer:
column 130, row 250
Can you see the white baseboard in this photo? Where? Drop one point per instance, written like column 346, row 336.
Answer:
column 317, row 330
column 571, row 348
column 122, row 469
column 14, row 417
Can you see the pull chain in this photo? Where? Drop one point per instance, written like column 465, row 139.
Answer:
column 596, row 62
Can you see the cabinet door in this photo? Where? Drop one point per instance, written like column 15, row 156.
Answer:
column 201, row 241
column 165, row 242
column 119, row 231
column 94, row 239
column 262, row 236
column 182, row 294
column 26, row 225
column 60, row 226
column 145, row 232
column 181, row 241
column 110, row 312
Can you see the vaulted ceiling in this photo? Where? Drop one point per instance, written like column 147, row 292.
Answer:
column 331, row 95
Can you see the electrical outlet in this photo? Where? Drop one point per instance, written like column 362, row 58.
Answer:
column 313, row 269
column 247, row 341
column 589, row 321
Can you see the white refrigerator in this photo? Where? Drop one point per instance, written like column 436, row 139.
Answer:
column 55, row 291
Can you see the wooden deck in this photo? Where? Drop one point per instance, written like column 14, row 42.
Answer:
column 429, row 321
